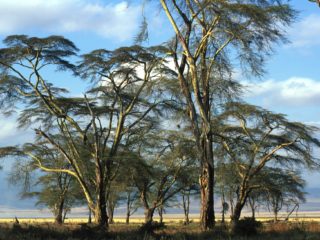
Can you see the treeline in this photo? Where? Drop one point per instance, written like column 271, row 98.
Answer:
column 157, row 122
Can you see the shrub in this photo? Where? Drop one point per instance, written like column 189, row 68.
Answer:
column 247, row 227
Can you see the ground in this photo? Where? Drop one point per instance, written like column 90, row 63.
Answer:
column 170, row 231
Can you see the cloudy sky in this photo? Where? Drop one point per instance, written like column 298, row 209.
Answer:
column 291, row 85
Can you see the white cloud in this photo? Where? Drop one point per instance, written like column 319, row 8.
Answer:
column 119, row 20
column 8, row 129
column 305, row 33
column 313, row 123
column 294, row 91
column 10, row 133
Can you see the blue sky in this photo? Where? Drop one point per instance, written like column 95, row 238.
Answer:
column 291, row 85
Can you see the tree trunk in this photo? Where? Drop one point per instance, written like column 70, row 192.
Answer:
column 89, row 217
column 100, row 215
column 128, row 207
column 231, row 202
column 110, row 213
column 236, row 216
column 148, row 215
column 59, row 212
column 275, row 219
column 160, row 211
column 252, row 204
column 186, row 206
column 100, row 208
column 223, row 210
column 100, row 211
column 237, row 210
column 128, row 218
column 253, row 213
column 207, row 219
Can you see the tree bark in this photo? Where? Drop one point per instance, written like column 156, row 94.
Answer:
column 127, row 218
column 186, row 207
column 252, row 204
column 110, row 212
column 207, row 219
column 59, row 212
column 160, row 210
column 89, row 216
column 128, row 208
column 237, row 209
column 275, row 219
column 236, row 216
column 100, row 215
column 100, row 210
column 148, row 215
column 223, row 210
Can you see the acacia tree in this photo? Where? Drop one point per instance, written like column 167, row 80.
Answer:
column 57, row 194
column 57, row 191
column 205, row 30
column 92, row 127
column 226, row 184
column 282, row 188
column 162, row 164
column 253, row 138
column 189, row 189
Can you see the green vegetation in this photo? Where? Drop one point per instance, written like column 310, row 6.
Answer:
column 150, row 135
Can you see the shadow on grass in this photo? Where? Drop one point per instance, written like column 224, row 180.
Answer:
column 135, row 232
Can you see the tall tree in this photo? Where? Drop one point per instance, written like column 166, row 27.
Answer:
column 205, row 30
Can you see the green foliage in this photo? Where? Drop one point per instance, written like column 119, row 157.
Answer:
column 119, row 141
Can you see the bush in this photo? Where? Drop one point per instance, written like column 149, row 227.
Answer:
column 151, row 227
column 247, row 227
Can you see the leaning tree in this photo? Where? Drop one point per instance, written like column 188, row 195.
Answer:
column 253, row 138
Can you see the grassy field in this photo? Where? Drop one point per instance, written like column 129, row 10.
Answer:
column 170, row 218
column 75, row 229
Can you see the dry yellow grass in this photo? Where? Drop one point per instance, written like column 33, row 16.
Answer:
column 169, row 218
